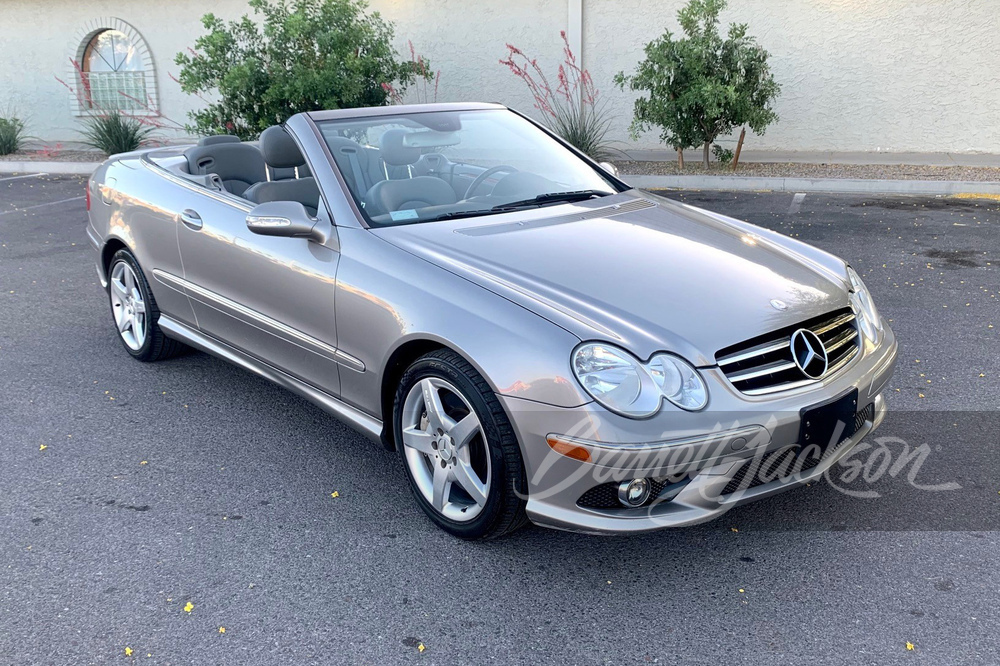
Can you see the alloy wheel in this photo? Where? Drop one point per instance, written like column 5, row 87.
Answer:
column 445, row 449
column 128, row 306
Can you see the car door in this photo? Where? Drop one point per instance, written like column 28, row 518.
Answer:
column 270, row 297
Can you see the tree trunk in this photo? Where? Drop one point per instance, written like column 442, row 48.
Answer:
column 708, row 145
column 739, row 147
column 680, row 159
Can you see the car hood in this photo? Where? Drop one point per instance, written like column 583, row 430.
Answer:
column 644, row 272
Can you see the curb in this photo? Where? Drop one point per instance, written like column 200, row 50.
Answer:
column 54, row 168
column 839, row 185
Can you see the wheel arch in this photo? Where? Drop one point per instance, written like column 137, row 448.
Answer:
column 401, row 358
column 111, row 246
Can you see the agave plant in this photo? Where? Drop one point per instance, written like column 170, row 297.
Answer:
column 12, row 135
column 116, row 132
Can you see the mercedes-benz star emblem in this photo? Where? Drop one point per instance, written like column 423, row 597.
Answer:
column 809, row 353
column 778, row 305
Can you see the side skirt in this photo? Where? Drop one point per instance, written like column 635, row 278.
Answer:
column 363, row 423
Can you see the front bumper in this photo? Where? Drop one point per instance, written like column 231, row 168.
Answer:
column 706, row 449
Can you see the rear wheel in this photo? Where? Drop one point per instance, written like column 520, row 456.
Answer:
column 458, row 448
column 134, row 311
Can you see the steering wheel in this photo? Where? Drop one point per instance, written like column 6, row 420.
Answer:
column 481, row 178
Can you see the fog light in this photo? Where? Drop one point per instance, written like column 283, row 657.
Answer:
column 634, row 492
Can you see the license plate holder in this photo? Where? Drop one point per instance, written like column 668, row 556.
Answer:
column 821, row 422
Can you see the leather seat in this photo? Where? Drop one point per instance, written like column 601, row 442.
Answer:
column 238, row 165
column 281, row 152
column 388, row 196
column 216, row 139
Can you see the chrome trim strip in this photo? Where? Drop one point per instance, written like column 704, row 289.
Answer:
column 259, row 320
column 842, row 319
column 778, row 366
column 780, row 387
column 756, row 351
column 841, row 340
column 227, row 199
column 364, row 423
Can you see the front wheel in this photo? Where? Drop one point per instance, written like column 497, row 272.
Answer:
column 458, row 448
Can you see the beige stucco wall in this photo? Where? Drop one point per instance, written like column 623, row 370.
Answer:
column 857, row 75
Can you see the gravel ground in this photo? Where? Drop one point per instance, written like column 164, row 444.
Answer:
column 795, row 170
column 55, row 156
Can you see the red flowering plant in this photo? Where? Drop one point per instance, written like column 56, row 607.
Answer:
column 424, row 88
column 572, row 109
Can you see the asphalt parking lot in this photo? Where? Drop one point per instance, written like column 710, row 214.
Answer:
column 151, row 506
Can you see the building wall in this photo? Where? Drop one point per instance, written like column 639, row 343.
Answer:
column 856, row 75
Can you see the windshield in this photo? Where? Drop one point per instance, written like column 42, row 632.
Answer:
column 421, row 167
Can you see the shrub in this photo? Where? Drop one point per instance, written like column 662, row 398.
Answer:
column 291, row 56
column 572, row 110
column 11, row 134
column 114, row 133
column 702, row 86
column 723, row 155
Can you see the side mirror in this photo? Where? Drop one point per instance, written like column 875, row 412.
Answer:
column 610, row 168
column 284, row 218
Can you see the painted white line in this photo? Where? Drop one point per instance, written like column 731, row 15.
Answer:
column 50, row 203
column 29, row 175
column 796, row 203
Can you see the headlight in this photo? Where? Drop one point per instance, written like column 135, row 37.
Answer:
column 864, row 307
column 617, row 380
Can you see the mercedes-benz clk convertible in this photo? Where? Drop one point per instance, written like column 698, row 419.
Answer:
column 537, row 339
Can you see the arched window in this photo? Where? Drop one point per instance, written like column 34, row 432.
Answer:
column 114, row 70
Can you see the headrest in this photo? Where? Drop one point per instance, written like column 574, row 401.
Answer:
column 217, row 139
column 279, row 149
column 393, row 150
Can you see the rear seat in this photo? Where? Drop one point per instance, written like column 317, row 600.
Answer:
column 238, row 165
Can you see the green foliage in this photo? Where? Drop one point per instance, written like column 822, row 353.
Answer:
column 724, row 155
column 292, row 56
column 11, row 134
column 701, row 86
column 114, row 133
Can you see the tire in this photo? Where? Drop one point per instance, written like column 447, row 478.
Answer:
column 128, row 291
column 493, row 449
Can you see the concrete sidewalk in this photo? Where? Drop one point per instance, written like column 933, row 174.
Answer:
column 827, row 157
column 842, row 185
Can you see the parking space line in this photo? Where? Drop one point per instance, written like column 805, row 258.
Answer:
column 50, row 203
column 27, row 175
column 796, row 203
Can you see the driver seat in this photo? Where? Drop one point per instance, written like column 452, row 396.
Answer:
column 280, row 152
column 388, row 196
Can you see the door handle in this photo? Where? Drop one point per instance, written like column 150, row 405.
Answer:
column 191, row 219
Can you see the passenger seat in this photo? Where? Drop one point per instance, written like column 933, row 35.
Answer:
column 280, row 152
column 238, row 165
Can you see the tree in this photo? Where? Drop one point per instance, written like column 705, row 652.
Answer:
column 702, row 86
column 291, row 56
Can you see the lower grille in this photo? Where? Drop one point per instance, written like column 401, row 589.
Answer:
column 605, row 496
column 787, row 462
column 765, row 364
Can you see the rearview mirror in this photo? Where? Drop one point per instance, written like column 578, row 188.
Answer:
column 284, row 218
column 610, row 168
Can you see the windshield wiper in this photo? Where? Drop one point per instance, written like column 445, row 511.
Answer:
column 540, row 200
column 553, row 197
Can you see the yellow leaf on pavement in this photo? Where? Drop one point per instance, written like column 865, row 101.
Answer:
column 128, row 651
column 188, row 607
column 909, row 645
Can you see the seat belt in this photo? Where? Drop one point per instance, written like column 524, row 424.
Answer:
column 359, row 176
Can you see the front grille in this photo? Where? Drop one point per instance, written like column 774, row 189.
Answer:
column 605, row 496
column 765, row 364
column 784, row 463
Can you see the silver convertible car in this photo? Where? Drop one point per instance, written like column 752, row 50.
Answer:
column 537, row 339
